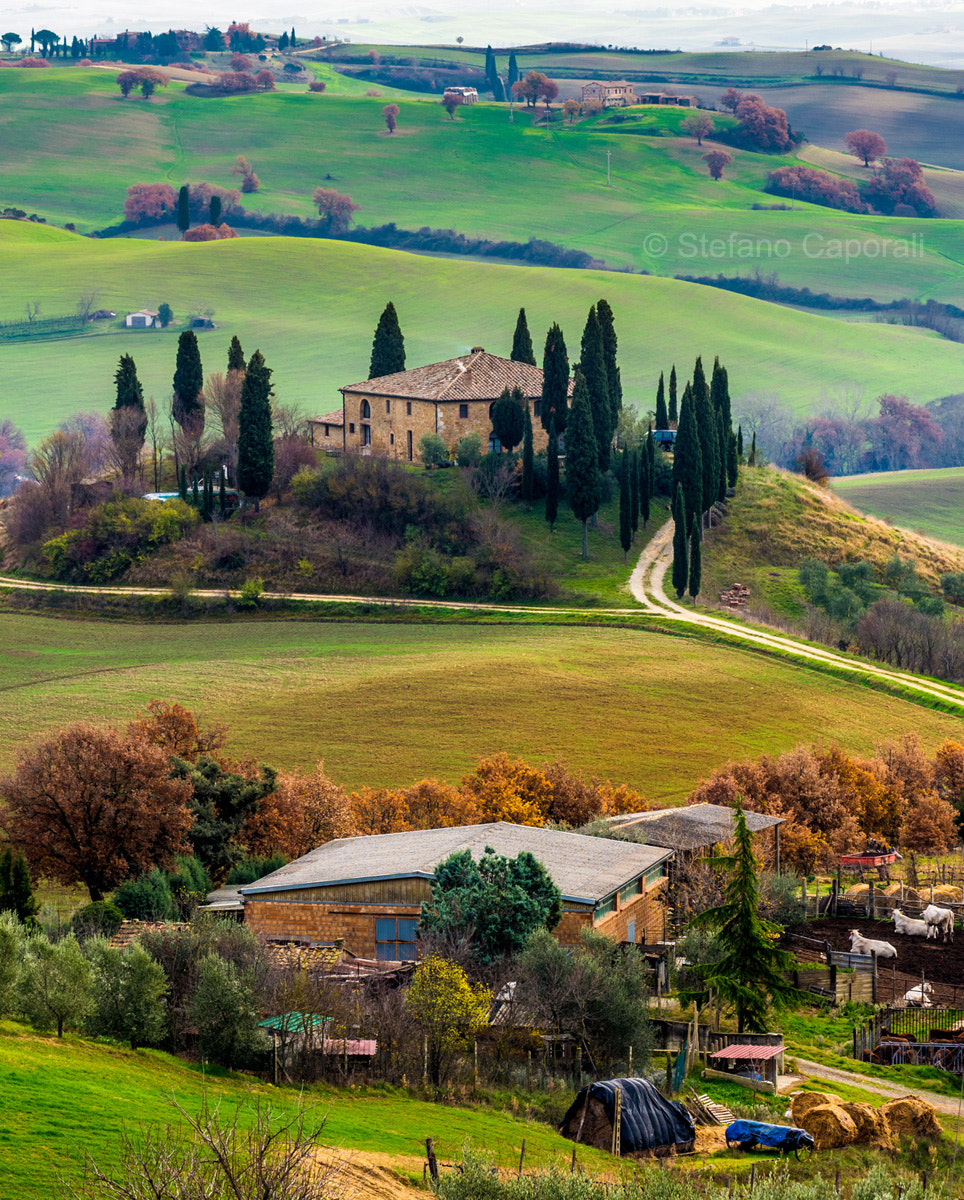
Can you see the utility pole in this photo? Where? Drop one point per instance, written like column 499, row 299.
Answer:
column 609, row 155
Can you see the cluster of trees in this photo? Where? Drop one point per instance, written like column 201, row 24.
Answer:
column 897, row 187
column 157, row 203
column 705, row 465
column 816, row 187
column 760, row 127
column 146, row 79
column 535, row 86
column 832, row 801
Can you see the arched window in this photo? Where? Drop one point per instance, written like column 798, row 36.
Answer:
column 491, row 406
column 366, row 409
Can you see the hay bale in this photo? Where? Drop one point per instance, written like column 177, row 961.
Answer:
column 946, row 892
column 911, row 1115
column 802, row 1102
column 859, row 891
column 891, row 890
column 829, row 1126
column 872, row 1129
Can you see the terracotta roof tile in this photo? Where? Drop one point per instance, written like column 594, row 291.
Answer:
column 475, row 376
column 333, row 418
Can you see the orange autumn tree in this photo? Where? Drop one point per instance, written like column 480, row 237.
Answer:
column 175, row 730
column 303, row 812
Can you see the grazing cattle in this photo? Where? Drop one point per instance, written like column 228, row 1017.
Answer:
column 861, row 945
column 908, row 926
column 939, row 919
column 920, row 996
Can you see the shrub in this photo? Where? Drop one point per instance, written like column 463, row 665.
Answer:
column 98, row 919
column 33, row 62
column 146, row 898
column 317, row 85
column 248, row 870
column 816, row 187
column 468, row 450
column 432, row 448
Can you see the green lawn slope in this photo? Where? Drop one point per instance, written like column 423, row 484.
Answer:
column 311, row 307
column 385, row 705
column 930, row 502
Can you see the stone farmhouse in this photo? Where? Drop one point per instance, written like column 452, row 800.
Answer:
column 612, row 93
column 368, row 891
column 468, row 95
column 387, row 417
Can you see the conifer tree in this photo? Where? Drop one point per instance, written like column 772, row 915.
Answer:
column 739, row 441
column 16, row 888
column 235, row 355
column 696, row 562
column 662, row 416
column 688, row 458
column 555, row 380
column 732, row 460
column 214, row 210
column 388, row 345
column 130, row 394
column 183, row 209
column 528, row 460
column 651, row 461
column 709, row 439
column 751, row 461
column 182, row 484
column 582, row 465
column 222, row 499
column 490, row 71
column 195, row 494
column 552, row 476
column 607, row 326
column 522, row 342
column 632, row 466
column 186, row 406
column 255, row 444
column 645, row 487
column 680, row 561
column 625, row 503
column 592, row 364
column 513, row 73
column 673, row 412
column 283, row 41
column 724, row 437
column 720, row 392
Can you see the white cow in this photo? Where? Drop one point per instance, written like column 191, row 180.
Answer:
column 941, row 919
column 861, row 945
column 920, row 996
column 908, row 926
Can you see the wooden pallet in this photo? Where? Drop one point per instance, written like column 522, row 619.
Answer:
column 712, row 1113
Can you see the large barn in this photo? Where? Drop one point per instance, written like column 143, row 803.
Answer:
column 368, row 891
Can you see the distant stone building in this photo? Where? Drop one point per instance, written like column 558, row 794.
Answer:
column 144, row 318
column 468, row 95
column 612, row 93
column 666, row 98
column 387, row 417
column 328, row 432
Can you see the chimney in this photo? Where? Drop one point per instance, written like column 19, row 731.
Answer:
column 478, row 349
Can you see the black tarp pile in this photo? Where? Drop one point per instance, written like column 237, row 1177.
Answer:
column 649, row 1123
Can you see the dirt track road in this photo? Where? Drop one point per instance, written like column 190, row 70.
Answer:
column 948, row 1106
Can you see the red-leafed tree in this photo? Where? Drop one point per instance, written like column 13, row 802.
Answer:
column 91, row 806
column 149, row 201
column 866, row 145
column 336, row 208
column 717, row 161
column 730, row 100
column 265, row 81
column 241, row 62
column 899, row 187
column 390, row 113
column 762, row 127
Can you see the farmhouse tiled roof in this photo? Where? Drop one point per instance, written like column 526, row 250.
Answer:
column 585, row 869
column 474, row 376
column 690, row 828
column 333, row 418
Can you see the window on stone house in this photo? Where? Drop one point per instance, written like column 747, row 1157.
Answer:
column 366, row 409
column 366, row 435
column 463, row 410
column 395, row 939
column 388, row 407
column 408, row 408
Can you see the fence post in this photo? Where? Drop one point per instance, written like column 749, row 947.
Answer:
column 872, row 900
column 432, row 1161
column 873, row 968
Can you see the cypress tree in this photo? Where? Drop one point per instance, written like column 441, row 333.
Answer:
column 183, row 210
column 255, row 445
column 293, row 40
column 388, row 345
column 739, row 441
column 625, row 503
column 222, row 499
column 195, row 494
column 632, row 466
column 522, row 342
column 723, row 436
column 528, row 463
column 732, row 460
column 235, row 355
column 696, row 564
column 680, row 563
column 662, row 416
column 582, row 463
column 645, row 487
column 651, row 461
column 283, row 41
column 709, row 440
column 688, row 459
column 673, row 410
column 513, row 73
column 555, row 380
column 490, row 71
column 751, row 461
column 214, row 210
column 592, row 364
column 182, row 484
column 186, row 407
column 552, row 476
column 720, row 392
column 130, row 394
column 607, row 326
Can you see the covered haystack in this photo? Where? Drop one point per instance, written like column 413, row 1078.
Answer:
column 802, row 1102
column 830, row 1126
column 872, row 1128
column 909, row 1114
column 649, row 1125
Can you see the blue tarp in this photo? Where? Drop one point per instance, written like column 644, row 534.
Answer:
column 758, row 1133
column 648, row 1120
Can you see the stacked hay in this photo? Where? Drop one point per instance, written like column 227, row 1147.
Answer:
column 802, row 1102
column 910, row 1115
column 942, row 893
column 872, row 1127
column 830, row 1126
column 859, row 891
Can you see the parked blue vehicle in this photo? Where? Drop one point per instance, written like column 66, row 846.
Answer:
column 745, row 1135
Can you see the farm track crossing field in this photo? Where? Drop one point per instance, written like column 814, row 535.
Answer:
column 931, row 502
column 385, row 705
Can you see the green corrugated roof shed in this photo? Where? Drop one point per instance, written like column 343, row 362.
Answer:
column 293, row 1022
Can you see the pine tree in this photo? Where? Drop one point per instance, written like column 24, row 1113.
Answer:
column 633, row 468
column 183, row 210
column 625, row 504
column 528, row 462
column 513, row 74
column 662, row 416
column 651, row 461
column 751, row 461
column 582, row 461
column 720, row 392
column 182, row 484
column 388, row 345
column 522, row 342
column 723, row 436
column 255, row 445
column 127, row 420
column 235, row 355
column 673, row 412
column 739, row 442
column 752, row 973
column 490, row 71
column 555, row 380
column 680, row 563
column 130, row 394
column 610, row 344
column 592, row 364
column 552, row 476
column 709, row 439
column 688, row 458
column 283, row 41
column 214, row 210
column 16, row 888
column 645, row 487
column 186, row 407
column 696, row 562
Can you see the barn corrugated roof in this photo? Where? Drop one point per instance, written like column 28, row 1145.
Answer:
column 753, row 1052
column 585, row 869
column 475, row 376
column 690, row 828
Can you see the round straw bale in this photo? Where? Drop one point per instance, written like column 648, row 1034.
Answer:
column 910, row 1114
column 872, row 1129
column 802, row 1102
column 946, row 892
column 858, row 892
column 829, row 1126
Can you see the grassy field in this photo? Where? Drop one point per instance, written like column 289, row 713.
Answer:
column 930, row 502
column 389, row 704
column 60, row 1100
column 311, row 308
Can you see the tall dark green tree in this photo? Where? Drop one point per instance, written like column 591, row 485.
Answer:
column 752, row 973
column 555, row 380
column 720, row 392
column 696, row 559
column 633, row 466
column 610, row 344
column 186, row 406
column 182, row 484
column 724, row 437
column 184, row 209
column 739, row 442
column 16, row 887
column 522, row 342
column 709, row 438
column 662, row 416
column 688, row 459
column 592, row 364
column 651, row 460
column 528, row 457
column 255, row 442
column 645, row 487
column 732, row 460
column 582, row 460
column 680, row 558
column 552, row 476
column 751, row 461
column 388, row 345
column 513, row 74
column 235, row 355
column 490, row 71
column 214, row 210
column 673, row 411
column 625, row 503
column 129, row 392
column 509, row 417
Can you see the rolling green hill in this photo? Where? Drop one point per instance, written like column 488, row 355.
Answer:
column 311, row 307
column 930, row 502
